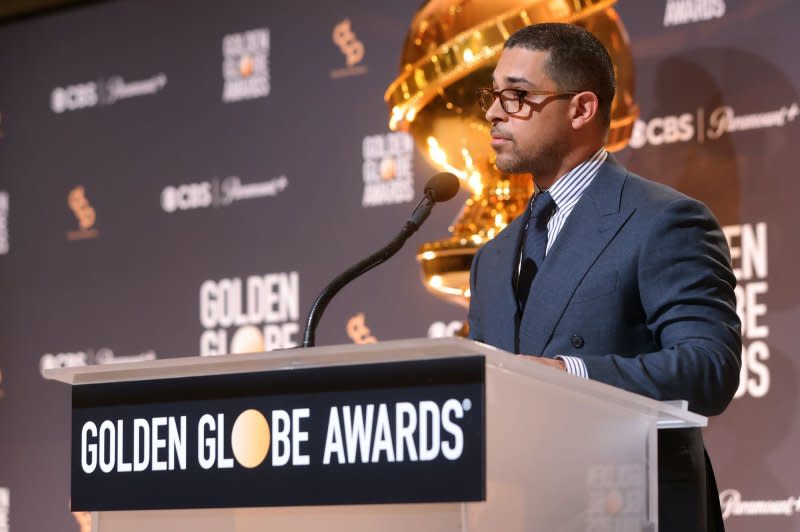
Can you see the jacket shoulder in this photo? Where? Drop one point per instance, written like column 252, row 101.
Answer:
column 651, row 198
column 645, row 191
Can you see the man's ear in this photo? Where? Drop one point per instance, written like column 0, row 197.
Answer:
column 583, row 109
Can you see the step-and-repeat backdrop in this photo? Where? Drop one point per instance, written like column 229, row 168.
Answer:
column 182, row 178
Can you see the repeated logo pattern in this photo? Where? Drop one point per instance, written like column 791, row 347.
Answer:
column 301, row 178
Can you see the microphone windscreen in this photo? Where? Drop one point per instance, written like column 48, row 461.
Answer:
column 442, row 187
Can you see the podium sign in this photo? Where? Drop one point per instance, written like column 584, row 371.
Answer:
column 332, row 437
column 411, row 431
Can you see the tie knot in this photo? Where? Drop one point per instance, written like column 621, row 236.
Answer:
column 542, row 208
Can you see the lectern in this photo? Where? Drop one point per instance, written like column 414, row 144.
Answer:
column 444, row 434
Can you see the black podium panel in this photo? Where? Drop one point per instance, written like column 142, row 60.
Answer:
column 377, row 433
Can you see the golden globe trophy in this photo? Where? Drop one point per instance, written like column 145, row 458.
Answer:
column 450, row 51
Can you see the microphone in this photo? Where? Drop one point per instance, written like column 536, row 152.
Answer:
column 441, row 187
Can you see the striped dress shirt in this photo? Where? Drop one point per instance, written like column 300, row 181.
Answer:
column 566, row 192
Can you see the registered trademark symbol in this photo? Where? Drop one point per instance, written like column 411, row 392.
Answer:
column 467, row 404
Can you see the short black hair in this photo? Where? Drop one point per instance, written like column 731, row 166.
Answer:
column 578, row 61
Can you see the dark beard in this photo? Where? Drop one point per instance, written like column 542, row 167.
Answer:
column 546, row 162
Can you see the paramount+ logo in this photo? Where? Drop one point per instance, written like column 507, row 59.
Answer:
column 372, row 433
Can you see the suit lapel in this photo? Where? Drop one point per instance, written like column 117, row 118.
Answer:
column 504, row 251
column 593, row 223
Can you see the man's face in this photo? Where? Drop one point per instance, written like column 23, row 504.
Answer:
column 535, row 139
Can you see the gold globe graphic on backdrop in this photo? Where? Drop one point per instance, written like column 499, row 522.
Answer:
column 450, row 51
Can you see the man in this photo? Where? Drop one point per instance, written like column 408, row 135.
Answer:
column 607, row 275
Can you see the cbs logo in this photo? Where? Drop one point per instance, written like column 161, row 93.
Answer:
column 63, row 360
column 74, row 97
column 662, row 130
column 184, row 197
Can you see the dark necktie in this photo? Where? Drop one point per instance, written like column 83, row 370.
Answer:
column 535, row 244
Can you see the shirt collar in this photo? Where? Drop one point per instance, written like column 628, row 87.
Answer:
column 568, row 188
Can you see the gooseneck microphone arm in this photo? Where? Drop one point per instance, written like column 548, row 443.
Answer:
column 440, row 187
column 333, row 288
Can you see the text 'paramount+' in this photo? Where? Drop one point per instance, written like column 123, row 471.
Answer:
column 372, row 433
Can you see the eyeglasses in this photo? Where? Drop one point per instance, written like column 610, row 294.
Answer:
column 511, row 100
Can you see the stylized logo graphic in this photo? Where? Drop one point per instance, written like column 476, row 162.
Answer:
column 250, row 438
column 749, row 259
column 5, row 244
column 218, row 193
column 388, row 169
column 119, row 89
column 247, row 339
column 263, row 309
column 361, row 433
column 686, row 11
column 89, row 357
column 664, row 130
column 102, row 443
column 440, row 329
column 84, row 212
column 616, row 496
column 245, row 65
column 358, row 332
column 188, row 196
column 351, row 47
column 84, row 520
column 691, row 126
column 103, row 92
column 294, row 425
column 733, row 506
column 724, row 120
column 74, row 97
column 5, row 509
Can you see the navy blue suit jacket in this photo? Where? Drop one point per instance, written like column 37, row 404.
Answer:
column 638, row 284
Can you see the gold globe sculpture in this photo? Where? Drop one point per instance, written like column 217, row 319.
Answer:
column 450, row 51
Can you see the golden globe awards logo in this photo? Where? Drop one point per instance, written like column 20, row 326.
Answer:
column 245, row 65
column 352, row 49
column 202, row 441
column 749, row 260
column 679, row 12
column 5, row 509
column 257, row 313
column 103, row 444
column 388, row 169
column 615, row 496
column 5, row 245
column 250, row 438
column 362, row 433
column 84, row 213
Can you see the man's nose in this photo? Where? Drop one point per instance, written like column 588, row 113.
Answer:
column 495, row 112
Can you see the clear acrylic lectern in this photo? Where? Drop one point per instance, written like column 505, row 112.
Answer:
column 561, row 453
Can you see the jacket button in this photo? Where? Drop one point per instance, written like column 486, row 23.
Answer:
column 577, row 341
